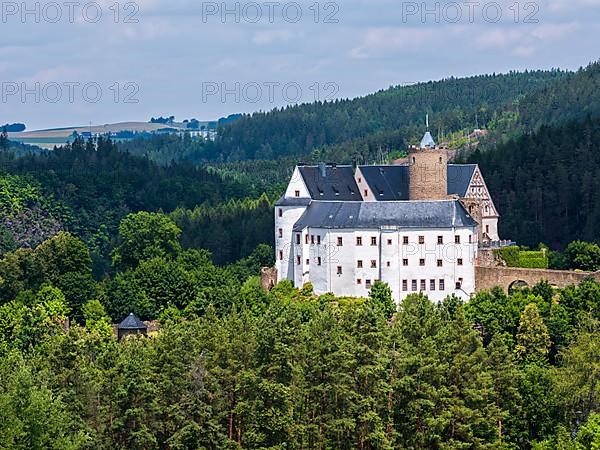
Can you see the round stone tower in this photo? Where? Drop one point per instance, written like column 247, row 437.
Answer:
column 428, row 171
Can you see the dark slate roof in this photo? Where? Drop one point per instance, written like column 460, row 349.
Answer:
column 337, row 184
column 459, row 177
column 293, row 201
column 387, row 182
column 412, row 214
column 131, row 322
column 391, row 182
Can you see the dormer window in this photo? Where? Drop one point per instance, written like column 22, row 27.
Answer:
column 297, row 193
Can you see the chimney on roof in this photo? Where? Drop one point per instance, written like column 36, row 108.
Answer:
column 323, row 169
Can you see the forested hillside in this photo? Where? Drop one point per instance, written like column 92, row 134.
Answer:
column 453, row 104
column 356, row 130
column 88, row 187
column 547, row 185
column 569, row 99
column 235, row 367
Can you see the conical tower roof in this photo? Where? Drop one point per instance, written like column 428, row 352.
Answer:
column 427, row 141
column 131, row 322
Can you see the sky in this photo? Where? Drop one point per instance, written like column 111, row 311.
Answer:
column 74, row 63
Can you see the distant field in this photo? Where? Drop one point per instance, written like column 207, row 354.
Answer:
column 59, row 136
column 56, row 133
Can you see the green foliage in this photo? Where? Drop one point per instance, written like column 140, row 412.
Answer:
column 583, row 256
column 229, row 231
column 287, row 369
column 533, row 340
column 381, row 297
column 367, row 129
column 516, row 257
column 88, row 187
column 533, row 209
column 96, row 319
column 144, row 236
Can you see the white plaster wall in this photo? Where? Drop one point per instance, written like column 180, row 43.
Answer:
column 492, row 223
column 296, row 184
column 325, row 279
column 286, row 266
column 364, row 189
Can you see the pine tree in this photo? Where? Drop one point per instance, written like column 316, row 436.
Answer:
column 4, row 139
column 533, row 340
column 505, row 377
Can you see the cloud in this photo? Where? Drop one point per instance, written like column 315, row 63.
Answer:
column 378, row 41
column 265, row 37
column 554, row 31
column 524, row 51
column 498, row 38
column 171, row 50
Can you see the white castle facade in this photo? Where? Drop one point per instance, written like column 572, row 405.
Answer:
column 416, row 226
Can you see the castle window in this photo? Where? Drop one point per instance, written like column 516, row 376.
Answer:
column 368, row 284
column 280, row 255
column 457, row 239
column 298, row 260
column 423, row 285
column 405, row 240
column 359, row 263
column 458, row 285
column 405, row 285
column 459, row 261
column 487, row 229
column 312, row 238
column 358, row 281
column 389, row 264
column 470, row 238
column 360, row 180
column 366, row 193
column 297, row 193
column 414, row 160
column 414, row 285
column 280, row 212
column 442, row 285
column 421, row 239
column 422, row 262
column 319, row 261
column 280, row 233
column 389, row 242
column 432, row 285
column 359, row 241
column 340, row 241
column 373, row 264
column 306, row 239
column 373, row 241
column 339, row 270
column 440, row 263
column 319, row 240
column 307, row 262
column 440, row 240
column 405, row 262
column 298, row 238
column 440, row 160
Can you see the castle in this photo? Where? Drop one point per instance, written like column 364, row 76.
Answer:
column 416, row 226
